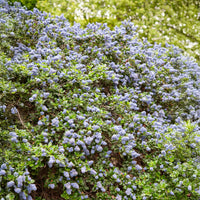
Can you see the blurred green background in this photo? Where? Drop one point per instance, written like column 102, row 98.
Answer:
column 173, row 21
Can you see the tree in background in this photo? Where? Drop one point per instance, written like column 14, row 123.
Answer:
column 30, row 4
column 176, row 22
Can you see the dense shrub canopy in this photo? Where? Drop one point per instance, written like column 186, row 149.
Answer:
column 94, row 113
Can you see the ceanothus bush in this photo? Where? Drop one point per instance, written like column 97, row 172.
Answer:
column 94, row 113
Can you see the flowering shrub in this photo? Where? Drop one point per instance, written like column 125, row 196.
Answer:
column 93, row 113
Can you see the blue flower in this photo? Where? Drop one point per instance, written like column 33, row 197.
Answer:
column 88, row 140
column 138, row 167
column 73, row 173
column 44, row 108
column 14, row 110
column 70, row 164
column 83, row 169
column 99, row 185
column 115, row 137
column 67, row 185
column 55, row 122
column 52, row 186
column 2, row 172
column 40, row 123
column 61, row 149
column 46, row 94
column 143, row 130
column 51, row 161
column 124, row 139
column 3, row 166
column 77, row 148
column 86, row 124
column 117, row 189
column 118, row 197
column 93, row 172
column 99, row 148
column 22, row 195
column 95, row 127
column 66, row 174
column 75, row 185
column 29, row 197
column 72, row 141
column 17, row 190
column 169, row 147
column 128, row 191
column 20, row 181
column 189, row 187
column 80, row 117
column 114, row 176
column 10, row 184
column 134, row 154
column 118, row 180
column 70, row 149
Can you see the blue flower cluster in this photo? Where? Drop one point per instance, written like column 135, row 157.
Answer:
column 94, row 113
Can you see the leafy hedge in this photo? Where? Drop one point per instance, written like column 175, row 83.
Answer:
column 93, row 113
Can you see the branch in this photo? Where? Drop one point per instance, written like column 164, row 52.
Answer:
column 22, row 122
column 185, row 34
